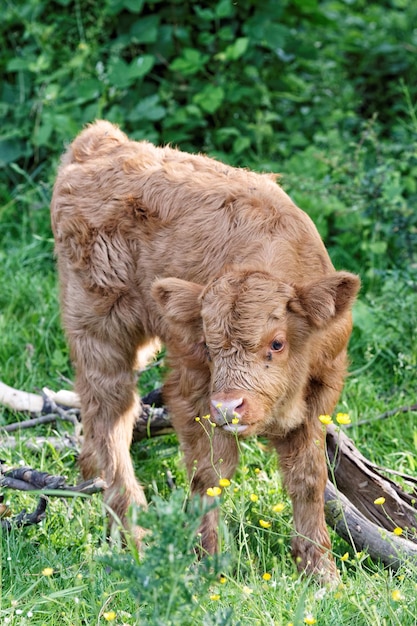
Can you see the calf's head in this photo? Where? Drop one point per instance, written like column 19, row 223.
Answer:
column 258, row 336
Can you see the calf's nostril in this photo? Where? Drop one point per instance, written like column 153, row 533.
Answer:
column 228, row 409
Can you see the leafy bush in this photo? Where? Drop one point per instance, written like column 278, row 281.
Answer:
column 284, row 86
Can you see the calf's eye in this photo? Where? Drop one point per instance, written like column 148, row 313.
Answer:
column 277, row 345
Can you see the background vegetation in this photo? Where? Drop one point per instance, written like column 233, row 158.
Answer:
column 322, row 91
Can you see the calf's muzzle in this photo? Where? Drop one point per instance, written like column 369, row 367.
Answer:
column 228, row 412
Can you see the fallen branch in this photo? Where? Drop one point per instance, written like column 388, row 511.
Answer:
column 362, row 482
column 28, row 479
column 363, row 534
column 386, row 414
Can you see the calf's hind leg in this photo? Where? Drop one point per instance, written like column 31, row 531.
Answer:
column 106, row 384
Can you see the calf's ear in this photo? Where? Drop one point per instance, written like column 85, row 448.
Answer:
column 326, row 298
column 178, row 300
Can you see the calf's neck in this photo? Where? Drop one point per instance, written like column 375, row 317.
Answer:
column 217, row 263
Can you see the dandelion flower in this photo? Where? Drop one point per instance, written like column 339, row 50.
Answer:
column 215, row 596
column 47, row 571
column 278, row 508
column 325, row 419
column 396, row 595
column 309, row 619
column 266, row 576
column 254, row 497
column 222, row 580
column 109, row 616
column 224, row 482
column 380, row 501
column 213, row 491
column 264, row 524
column 343, row 418
column 398, row 531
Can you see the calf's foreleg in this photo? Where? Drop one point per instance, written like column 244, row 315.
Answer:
column 209, row 455
column 304, row 470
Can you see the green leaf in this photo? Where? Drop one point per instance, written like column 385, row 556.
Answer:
column 210, row 98
column 19, row 64
column 122, row 75
column 236, row 49
column 11, row 150
column 191, row 62
column 224, row 9
column 140, row 66
column 145, row 29
column 241, row 144
column 147, row 109
column 116, row 6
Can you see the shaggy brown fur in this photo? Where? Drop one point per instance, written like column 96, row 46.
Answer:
column 220, row 265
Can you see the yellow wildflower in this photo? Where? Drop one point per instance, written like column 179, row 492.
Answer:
column 342, row 418
column 380, row 501
column 398, row 531
column 266, row 576
column 213, row 491
column 215, row 596
column 197, row 419
column 254, row 497
column 48, row 571
column 396, row 595
column 224, row 482
column 247, row 590
column 109, row 616
column 309, row 619
column 206, row 417
column 278, row 508
column 222, row 580
column 325, row 419
column 264, row 524
column 235, row 420
column 345, row 556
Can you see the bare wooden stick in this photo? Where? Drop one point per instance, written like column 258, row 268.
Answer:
column 391, row 413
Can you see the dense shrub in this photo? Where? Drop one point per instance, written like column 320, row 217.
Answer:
column 322, row 91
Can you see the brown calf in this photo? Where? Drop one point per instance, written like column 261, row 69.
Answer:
column 220, row 265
